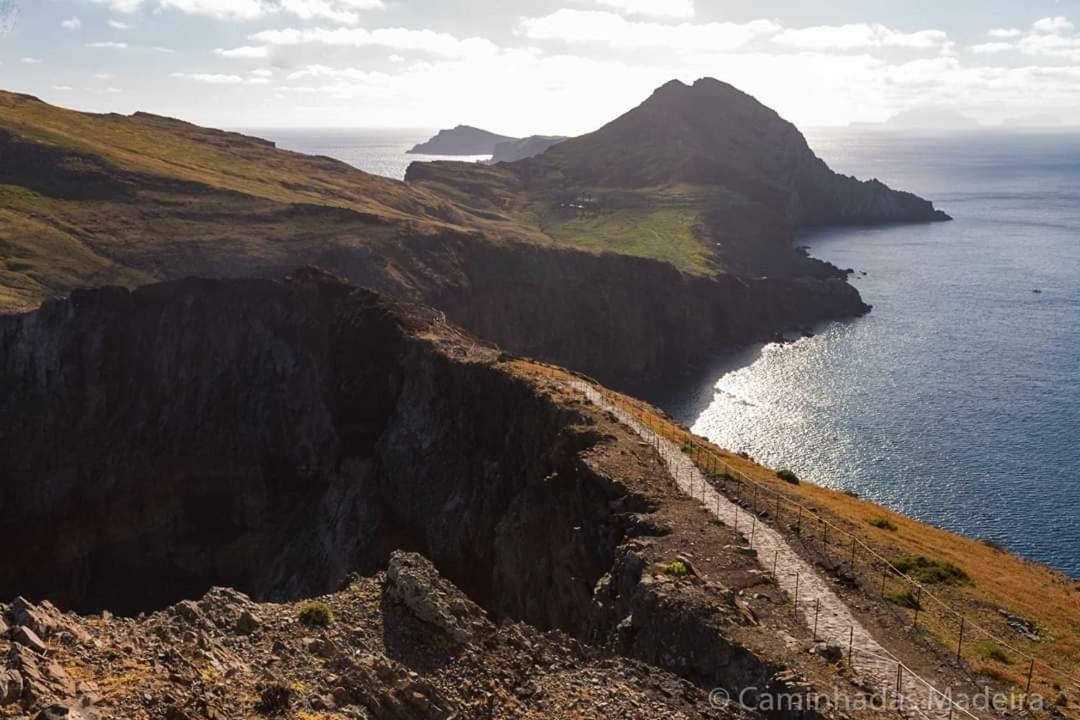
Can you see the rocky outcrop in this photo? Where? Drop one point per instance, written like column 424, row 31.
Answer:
column 514, row 150
column 461, row 140
column 379, row 657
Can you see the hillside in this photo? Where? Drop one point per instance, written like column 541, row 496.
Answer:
column 514, row 150
column 461, row 140
column 478, row 535
column 702, row 176
column 89, row 200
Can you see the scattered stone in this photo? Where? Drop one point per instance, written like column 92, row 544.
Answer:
column 247, row 623
column 29, row 638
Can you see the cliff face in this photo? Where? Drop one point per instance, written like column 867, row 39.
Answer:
column 275, row 437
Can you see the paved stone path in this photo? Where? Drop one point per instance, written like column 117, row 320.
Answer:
column 835, row 623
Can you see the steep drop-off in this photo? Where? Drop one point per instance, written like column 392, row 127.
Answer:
column 277, row 436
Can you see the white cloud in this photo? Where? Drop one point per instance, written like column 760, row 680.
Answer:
column 341, row 11
column 30, row 61
column 262, row 72
column 605, row 28
column 220, row 79
column 104, row 76
column 859, row 36
column 348, row 73
column 246, row 52
column 113, row 90
column 108, row 45
column 659, row 8
column 219, row 9
column 1057, row 25
column 123, row 6
column 62, row 88
column 992, row 48
column 73, row 23
column 209, row 78
column 440, row 44
column 1005, row 33
column 117, row 25
column 396, row 59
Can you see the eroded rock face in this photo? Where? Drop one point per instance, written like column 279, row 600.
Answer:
column 272, row 437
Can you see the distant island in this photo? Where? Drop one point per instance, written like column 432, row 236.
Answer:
column 924, row 118
column 468, row 140
column 462, row 140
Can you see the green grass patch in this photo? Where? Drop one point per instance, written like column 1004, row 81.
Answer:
column 675, row 569
column 661, row 233
column 882, row 523
column 990, row 650
column 906, row 598
column 316, row 614
column 930, row 571
column 788, row 476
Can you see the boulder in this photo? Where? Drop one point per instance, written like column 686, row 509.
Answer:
column 29, row 638
column 413, row 581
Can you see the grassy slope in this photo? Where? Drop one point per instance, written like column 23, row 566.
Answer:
column 92, row 199
column 998, row 580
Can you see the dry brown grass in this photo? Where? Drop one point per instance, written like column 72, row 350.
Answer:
column 998, row 580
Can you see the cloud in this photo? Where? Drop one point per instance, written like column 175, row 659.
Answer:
column 859, row 36
column 220, row 79
column 1056, row 25
column 30, row 61
column 1005, row 33
column 658, row 8
column 435, row 43
column 219, row 9
column 1052, row 37
column 341, row 11
column 122, row 6
column 73, row 23
column 348, row 73
column 62, row 88
column 113, row 90
column 117, row 25
column 104, row 76
column 246, row 52
column 605, row 28
column 209, row 78
column 108, row 45
column 992, row 48
column 262, row 72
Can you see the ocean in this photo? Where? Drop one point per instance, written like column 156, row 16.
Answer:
column 957, row 400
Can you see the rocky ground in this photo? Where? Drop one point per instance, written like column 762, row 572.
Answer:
column 403, row 644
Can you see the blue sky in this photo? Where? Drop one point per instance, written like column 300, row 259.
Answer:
column 549, row 66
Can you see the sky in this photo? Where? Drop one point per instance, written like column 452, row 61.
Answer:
column 540, row 66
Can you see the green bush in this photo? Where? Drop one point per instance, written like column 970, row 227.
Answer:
column 992, row 651
column 788, row 476
column 908, row 599
column 675, row 569
column 929, row 571
column 882, row 523
column 316, row 614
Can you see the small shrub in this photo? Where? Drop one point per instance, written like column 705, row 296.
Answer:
column 788, row 476
column 907, row 599
column 675, row 569
column 852, row 494
column 316, row 614
column 882, row 523
column 929, row 571
column 992, row 651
